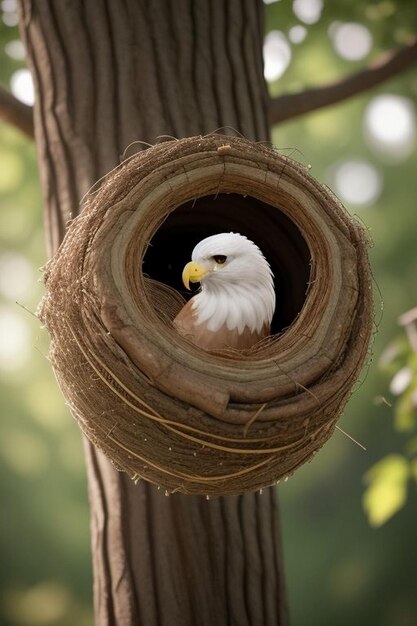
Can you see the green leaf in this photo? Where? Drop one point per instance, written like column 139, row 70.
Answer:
column 411, row 446
column 413, row 469
column 405, row 413
column 387, row 488
column 412, row 361
column 394, row 355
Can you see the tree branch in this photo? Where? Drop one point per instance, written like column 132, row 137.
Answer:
column 16, row 113
column 387, row 65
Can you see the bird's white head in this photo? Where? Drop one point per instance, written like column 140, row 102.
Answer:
column 237, row 286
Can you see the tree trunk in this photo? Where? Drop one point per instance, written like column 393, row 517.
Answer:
column 108, row 73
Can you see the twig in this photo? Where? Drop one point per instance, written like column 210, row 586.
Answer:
column 16, row 113
column 350, row 437
column 384, row 67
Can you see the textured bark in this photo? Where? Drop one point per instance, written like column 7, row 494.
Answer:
column 281, row 108
column 108, row 74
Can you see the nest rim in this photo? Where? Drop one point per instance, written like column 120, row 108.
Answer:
column 295, row 416
column 260, row 364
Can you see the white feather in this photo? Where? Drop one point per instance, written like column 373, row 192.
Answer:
column 239, row 293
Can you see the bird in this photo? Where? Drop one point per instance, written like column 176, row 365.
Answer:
column 236, row 301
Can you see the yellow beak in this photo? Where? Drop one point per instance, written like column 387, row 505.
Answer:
column 193, row 273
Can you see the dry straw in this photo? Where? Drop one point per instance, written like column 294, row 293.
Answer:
column 159, row 407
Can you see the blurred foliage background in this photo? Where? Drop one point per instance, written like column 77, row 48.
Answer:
column 349, row 517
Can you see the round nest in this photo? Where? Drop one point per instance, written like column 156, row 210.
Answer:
column 161, row 408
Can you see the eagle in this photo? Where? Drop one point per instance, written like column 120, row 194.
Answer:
column 236, row 301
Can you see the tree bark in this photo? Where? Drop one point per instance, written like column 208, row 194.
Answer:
column 108, row 74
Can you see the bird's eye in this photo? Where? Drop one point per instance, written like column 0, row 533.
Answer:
column 220, row 259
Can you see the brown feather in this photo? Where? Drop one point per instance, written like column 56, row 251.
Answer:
column 186, row 324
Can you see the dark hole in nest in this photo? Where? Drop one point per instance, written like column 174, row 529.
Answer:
column 276, row 235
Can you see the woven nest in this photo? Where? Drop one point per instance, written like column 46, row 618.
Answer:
column 161, row 408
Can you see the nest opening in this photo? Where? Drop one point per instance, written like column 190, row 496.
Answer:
column 159, row 407
column 274, row 232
